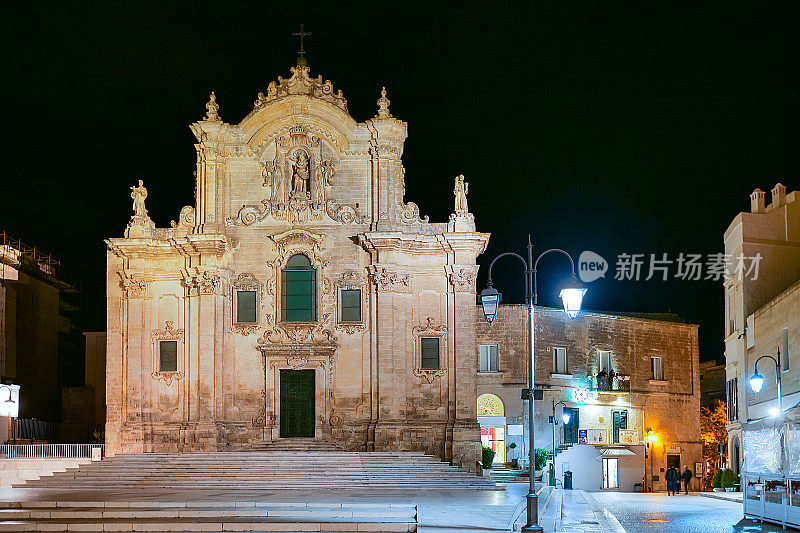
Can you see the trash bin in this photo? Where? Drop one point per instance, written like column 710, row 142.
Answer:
column 567, row 480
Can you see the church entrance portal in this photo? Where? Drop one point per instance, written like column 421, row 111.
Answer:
column 297, row 403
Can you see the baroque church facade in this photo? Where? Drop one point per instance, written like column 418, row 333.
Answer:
column 301, row 297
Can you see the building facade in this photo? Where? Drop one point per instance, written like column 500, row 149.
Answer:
column 655, row 391
column 301, row 296
column 39, row 337
column 712, row 383
column 762, row 310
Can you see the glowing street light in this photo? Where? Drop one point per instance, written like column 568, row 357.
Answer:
column 757, row 380
column 572, row 297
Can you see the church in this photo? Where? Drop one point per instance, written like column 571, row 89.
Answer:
column 301, row 297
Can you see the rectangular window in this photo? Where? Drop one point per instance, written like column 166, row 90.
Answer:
column 560, row 360
column 619, row 420
column 430, row 352
column 298, row 289
column 351, row 305
column 656, row 368
column 733, row 400
column 245, row 306
column 785, row 350
column 488, row 357
column 605, row 361
column 168, row 356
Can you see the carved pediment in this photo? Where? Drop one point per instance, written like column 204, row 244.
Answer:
column 301, row 83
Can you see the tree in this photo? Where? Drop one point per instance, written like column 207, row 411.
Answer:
column 712, row 431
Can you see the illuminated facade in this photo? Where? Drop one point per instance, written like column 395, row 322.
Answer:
column 300, row 297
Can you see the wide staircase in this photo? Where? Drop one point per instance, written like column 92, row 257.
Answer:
column 506, row 474
column 268, row 470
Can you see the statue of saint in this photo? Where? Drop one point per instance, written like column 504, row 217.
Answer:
column 300, row 172
column 138, row 194
column 461, row 195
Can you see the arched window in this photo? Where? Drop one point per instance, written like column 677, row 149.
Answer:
column 298, row 290
column 490, row 405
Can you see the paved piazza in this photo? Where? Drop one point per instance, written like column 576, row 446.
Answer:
column 659, row 513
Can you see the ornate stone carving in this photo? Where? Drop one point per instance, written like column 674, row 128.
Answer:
column 346, row 214
column 302, row 84
column 167, row 377
column 139, row 195
column 258, row 421
column 428, row 374
column 297, row 362
column 463, row 280
column 383, row 105
column 461, row 220
column 169, row 333
column 387, row 281
column 134, row 285
column 299, row 332
column 212, row 109
column 199, row 283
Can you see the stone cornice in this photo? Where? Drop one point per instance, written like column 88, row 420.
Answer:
column 419, row 244
column 190, row 245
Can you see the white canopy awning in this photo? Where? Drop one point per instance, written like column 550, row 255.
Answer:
column 615, row 451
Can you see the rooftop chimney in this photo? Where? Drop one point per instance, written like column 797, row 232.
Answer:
column 778, row 195
column 757, row 201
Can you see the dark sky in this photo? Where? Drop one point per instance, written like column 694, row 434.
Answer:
column 616, row 127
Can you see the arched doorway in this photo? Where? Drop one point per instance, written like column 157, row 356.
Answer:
column 491, row 417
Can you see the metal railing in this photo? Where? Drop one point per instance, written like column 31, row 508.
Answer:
column 65, row 451
column 617, row 384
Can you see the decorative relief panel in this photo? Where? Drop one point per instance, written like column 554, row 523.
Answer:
column 199, row 282
column 133, row 285
column 430, row 329
column 462, row 279
column 296, row 183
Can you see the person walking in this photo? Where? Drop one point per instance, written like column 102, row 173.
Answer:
column 672, row 476
column 687, row 478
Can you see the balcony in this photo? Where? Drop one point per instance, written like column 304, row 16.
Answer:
column 618, row 383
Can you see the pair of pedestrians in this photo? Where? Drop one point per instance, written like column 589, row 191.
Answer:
column 674, row 477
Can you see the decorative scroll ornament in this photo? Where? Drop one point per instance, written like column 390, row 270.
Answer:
column 167, row 377
column 212, row 113
column 258, row 421
column 387, row 281
column 410, row 214
column 383, row 105
column 297, row 362
column 302, row 84
column 186, row 218
column 169, row 333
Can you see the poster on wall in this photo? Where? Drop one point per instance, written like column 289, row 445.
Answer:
column 629, row 436
column 581, row 436
column 596, row 436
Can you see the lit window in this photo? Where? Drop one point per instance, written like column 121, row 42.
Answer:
column 245, row 306
column 298, row 290
column 488, row 358
column 605, row 362
column 351, row 305
column 560, row 360
column 430, row 352
column 168, row 356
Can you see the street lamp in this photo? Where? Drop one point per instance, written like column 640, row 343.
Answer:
column 572, row 297
column 757, row 380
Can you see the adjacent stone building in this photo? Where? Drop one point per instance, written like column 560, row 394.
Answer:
column 712, row 383
column 655, row 391
column 301, row 296
column 762, row 310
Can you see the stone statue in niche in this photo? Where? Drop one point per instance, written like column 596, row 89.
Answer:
column 138, row 194
column 300, row 172
column 461, row 195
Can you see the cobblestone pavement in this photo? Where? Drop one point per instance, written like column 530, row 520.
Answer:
column 659, row 513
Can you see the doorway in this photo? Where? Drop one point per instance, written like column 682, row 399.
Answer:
column 619, row 420
column 571, row 427
column 495, row 438
column 674, row 461
column 297, row 403
column 610, row 473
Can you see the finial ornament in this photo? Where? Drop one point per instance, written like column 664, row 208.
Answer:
column 212, row 115
column 461, row 195
column 301, row 59
column 383, row 105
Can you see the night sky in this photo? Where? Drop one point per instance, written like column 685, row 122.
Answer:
column 616, row 127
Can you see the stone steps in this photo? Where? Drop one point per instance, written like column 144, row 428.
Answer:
column 314, row 470
column 205, row 516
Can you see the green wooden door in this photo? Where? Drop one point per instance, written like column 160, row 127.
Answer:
column 297, row 403
column 571, row 428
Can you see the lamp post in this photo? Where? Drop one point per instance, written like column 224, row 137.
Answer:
column 757, row 380
column 572, row 297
